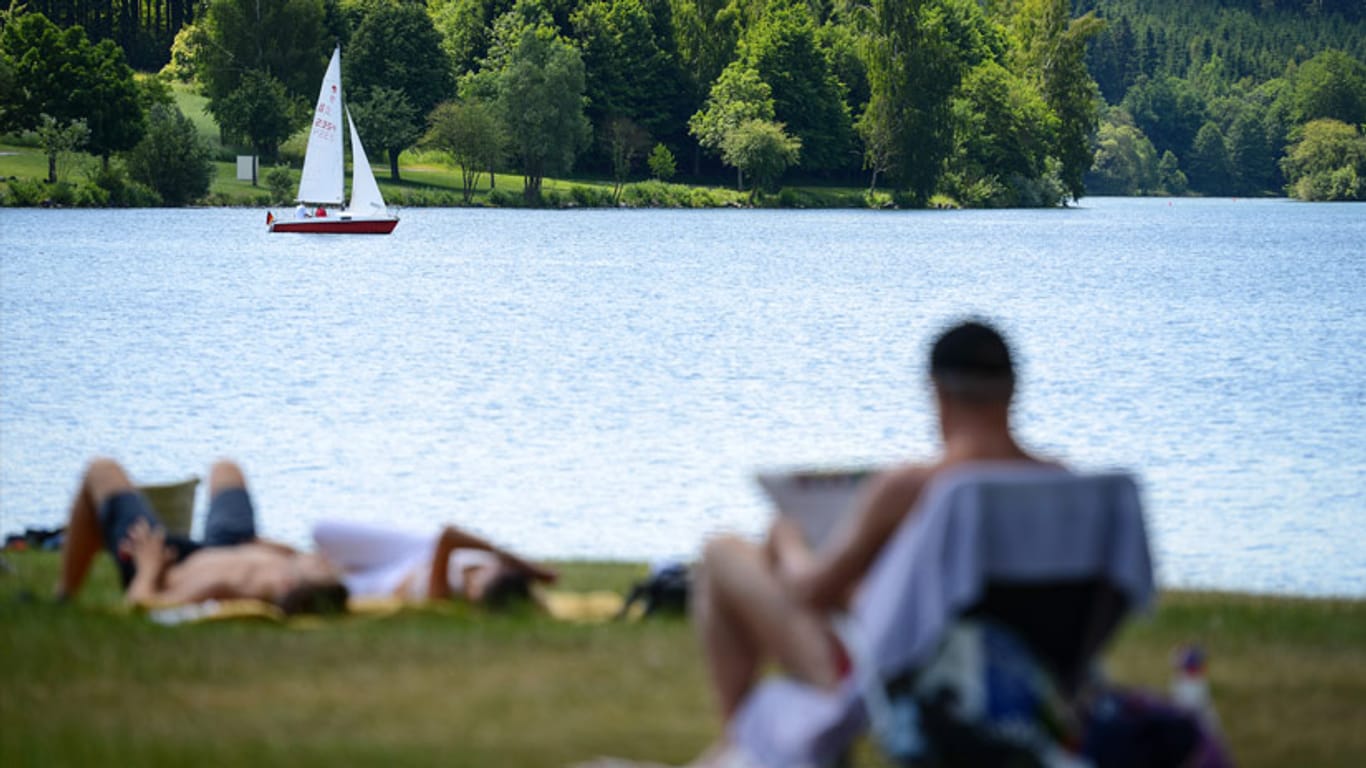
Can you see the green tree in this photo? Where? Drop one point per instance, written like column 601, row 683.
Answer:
column 397, row 48
column 1251, row 153
column 260, row 112
column 469, row 132
column 631, row 64
column 540, row 100
column 1002, row 129
column 1168, row 111
column 840, row 40
column 625, row 141
column 111, row 102
column 762, row 149
column 662, row 163
column 58, row 72
column 171, row 158
column 9, row 91
column 706, row 34
column 1053, row 45
column 284, row 39
column 59, row 140
column 879, row 130
column 738, row 95
column 807, row 97
column 1210, row 169
column 1171, row 179
column 1327, row 163
column 466, row 29
column 1126, row 162
column 1331, row 85
column 386, row 118
column 918, row 52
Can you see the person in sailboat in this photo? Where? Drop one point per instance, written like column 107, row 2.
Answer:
column 384, row 562
column 301, row 212
column 158, row 569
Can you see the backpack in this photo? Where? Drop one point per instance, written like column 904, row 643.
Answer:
column 664, row 592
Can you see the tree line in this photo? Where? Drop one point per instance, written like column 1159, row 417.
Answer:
column 144, row 29
column 985, row 102
column 1238, row 97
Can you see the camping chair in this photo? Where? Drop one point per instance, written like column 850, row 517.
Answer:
column 1058, row 557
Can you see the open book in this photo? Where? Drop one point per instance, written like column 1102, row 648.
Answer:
column 817, row 499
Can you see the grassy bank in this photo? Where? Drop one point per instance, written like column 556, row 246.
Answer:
column 88, row 685
column 428, row 179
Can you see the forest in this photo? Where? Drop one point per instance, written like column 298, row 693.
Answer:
column 977, row 102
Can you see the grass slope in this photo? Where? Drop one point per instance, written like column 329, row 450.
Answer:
column 428, row 179
column 90, row 685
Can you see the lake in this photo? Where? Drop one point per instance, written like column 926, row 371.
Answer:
column 603, row 383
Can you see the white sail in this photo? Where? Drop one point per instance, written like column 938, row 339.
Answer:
column 365, row 197
column 323, row 179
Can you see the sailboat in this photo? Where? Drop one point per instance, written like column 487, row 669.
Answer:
column 323, row 179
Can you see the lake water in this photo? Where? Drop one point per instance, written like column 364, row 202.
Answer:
column 603, row 383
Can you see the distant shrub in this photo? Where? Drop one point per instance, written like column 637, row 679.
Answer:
column 22, row 139
column 661, row 162
column 788, row 197
column 877, row 200
column 652, row 194
column 280, row 181
column 590, row 197
column 88, row 194
column 121, row 190
column 701, row 197
column 61, row 194
column 429, row 198
column 501, row 199
column 27, row 192
column 172, row 158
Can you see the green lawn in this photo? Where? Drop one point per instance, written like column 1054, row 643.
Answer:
column 429, row 179
column 89, row 685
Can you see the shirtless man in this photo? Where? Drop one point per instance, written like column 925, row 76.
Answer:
column 758, row 602
column 157, row 569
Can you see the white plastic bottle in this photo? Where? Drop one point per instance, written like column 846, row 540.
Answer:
column 1190, row 686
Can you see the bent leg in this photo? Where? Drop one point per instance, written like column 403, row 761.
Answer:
column 232, row 518
column 84, row 537
column 743, row 616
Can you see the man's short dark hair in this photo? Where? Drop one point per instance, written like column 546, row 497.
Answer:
column 327, row 597
column 507, row 589
column 971, row 362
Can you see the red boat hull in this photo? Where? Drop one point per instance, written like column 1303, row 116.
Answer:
column 335, row 226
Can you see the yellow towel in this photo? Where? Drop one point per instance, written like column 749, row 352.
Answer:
column 583, row 607
column 580, row 607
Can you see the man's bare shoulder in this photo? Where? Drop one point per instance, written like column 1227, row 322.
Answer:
column 905, row 481
column 894, row 491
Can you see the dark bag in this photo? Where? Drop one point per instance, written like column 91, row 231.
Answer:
column 664, row 592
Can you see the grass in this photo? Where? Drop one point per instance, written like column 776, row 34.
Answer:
column 88, row 684
column 429, row 179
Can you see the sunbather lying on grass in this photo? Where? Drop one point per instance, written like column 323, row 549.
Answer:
column 383, row 562
column 156, row 569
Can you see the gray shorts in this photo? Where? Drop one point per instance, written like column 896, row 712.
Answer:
column 231, row 520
